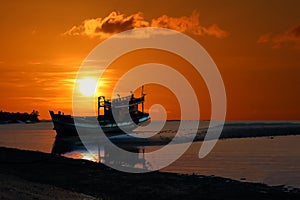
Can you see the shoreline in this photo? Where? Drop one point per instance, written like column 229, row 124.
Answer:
column 88, row 179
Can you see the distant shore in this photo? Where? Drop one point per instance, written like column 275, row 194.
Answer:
column 254, row 129
column 12, row 118
column 29, row 174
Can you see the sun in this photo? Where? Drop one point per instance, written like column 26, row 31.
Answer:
column 87, row 86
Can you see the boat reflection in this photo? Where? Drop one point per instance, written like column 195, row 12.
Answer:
column 72, row 147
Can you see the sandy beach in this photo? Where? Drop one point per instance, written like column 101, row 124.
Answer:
column 36, row 175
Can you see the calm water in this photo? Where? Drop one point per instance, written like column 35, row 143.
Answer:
column 275, row 161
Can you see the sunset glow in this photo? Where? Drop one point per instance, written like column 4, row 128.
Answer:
column 43, row 45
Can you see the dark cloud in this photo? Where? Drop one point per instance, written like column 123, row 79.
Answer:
column 117, row 22
column 296, row 31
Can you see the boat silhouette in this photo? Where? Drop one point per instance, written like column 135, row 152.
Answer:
column 115, row 116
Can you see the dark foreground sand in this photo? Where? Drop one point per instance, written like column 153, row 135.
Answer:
column 13, row 187
column 35, row 175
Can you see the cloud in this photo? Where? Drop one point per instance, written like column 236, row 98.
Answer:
column 117, row 22
column 105, row 27
column 214, row 30
column 291, row 37
column 189, row 24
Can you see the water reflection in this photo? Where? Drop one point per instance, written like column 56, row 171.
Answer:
column 137, row 142
column 72, row 147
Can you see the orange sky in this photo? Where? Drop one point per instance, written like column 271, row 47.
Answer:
column 255, row 44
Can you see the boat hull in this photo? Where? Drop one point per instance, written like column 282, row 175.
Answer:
column 64, row 125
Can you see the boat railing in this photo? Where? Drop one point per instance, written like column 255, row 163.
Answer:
column 129, row 100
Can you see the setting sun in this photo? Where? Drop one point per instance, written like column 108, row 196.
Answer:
column 87, row 87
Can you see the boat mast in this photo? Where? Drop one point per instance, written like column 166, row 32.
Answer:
column 99, row 106
column 143, row 98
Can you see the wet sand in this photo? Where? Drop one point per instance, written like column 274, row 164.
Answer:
column 36, row 175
